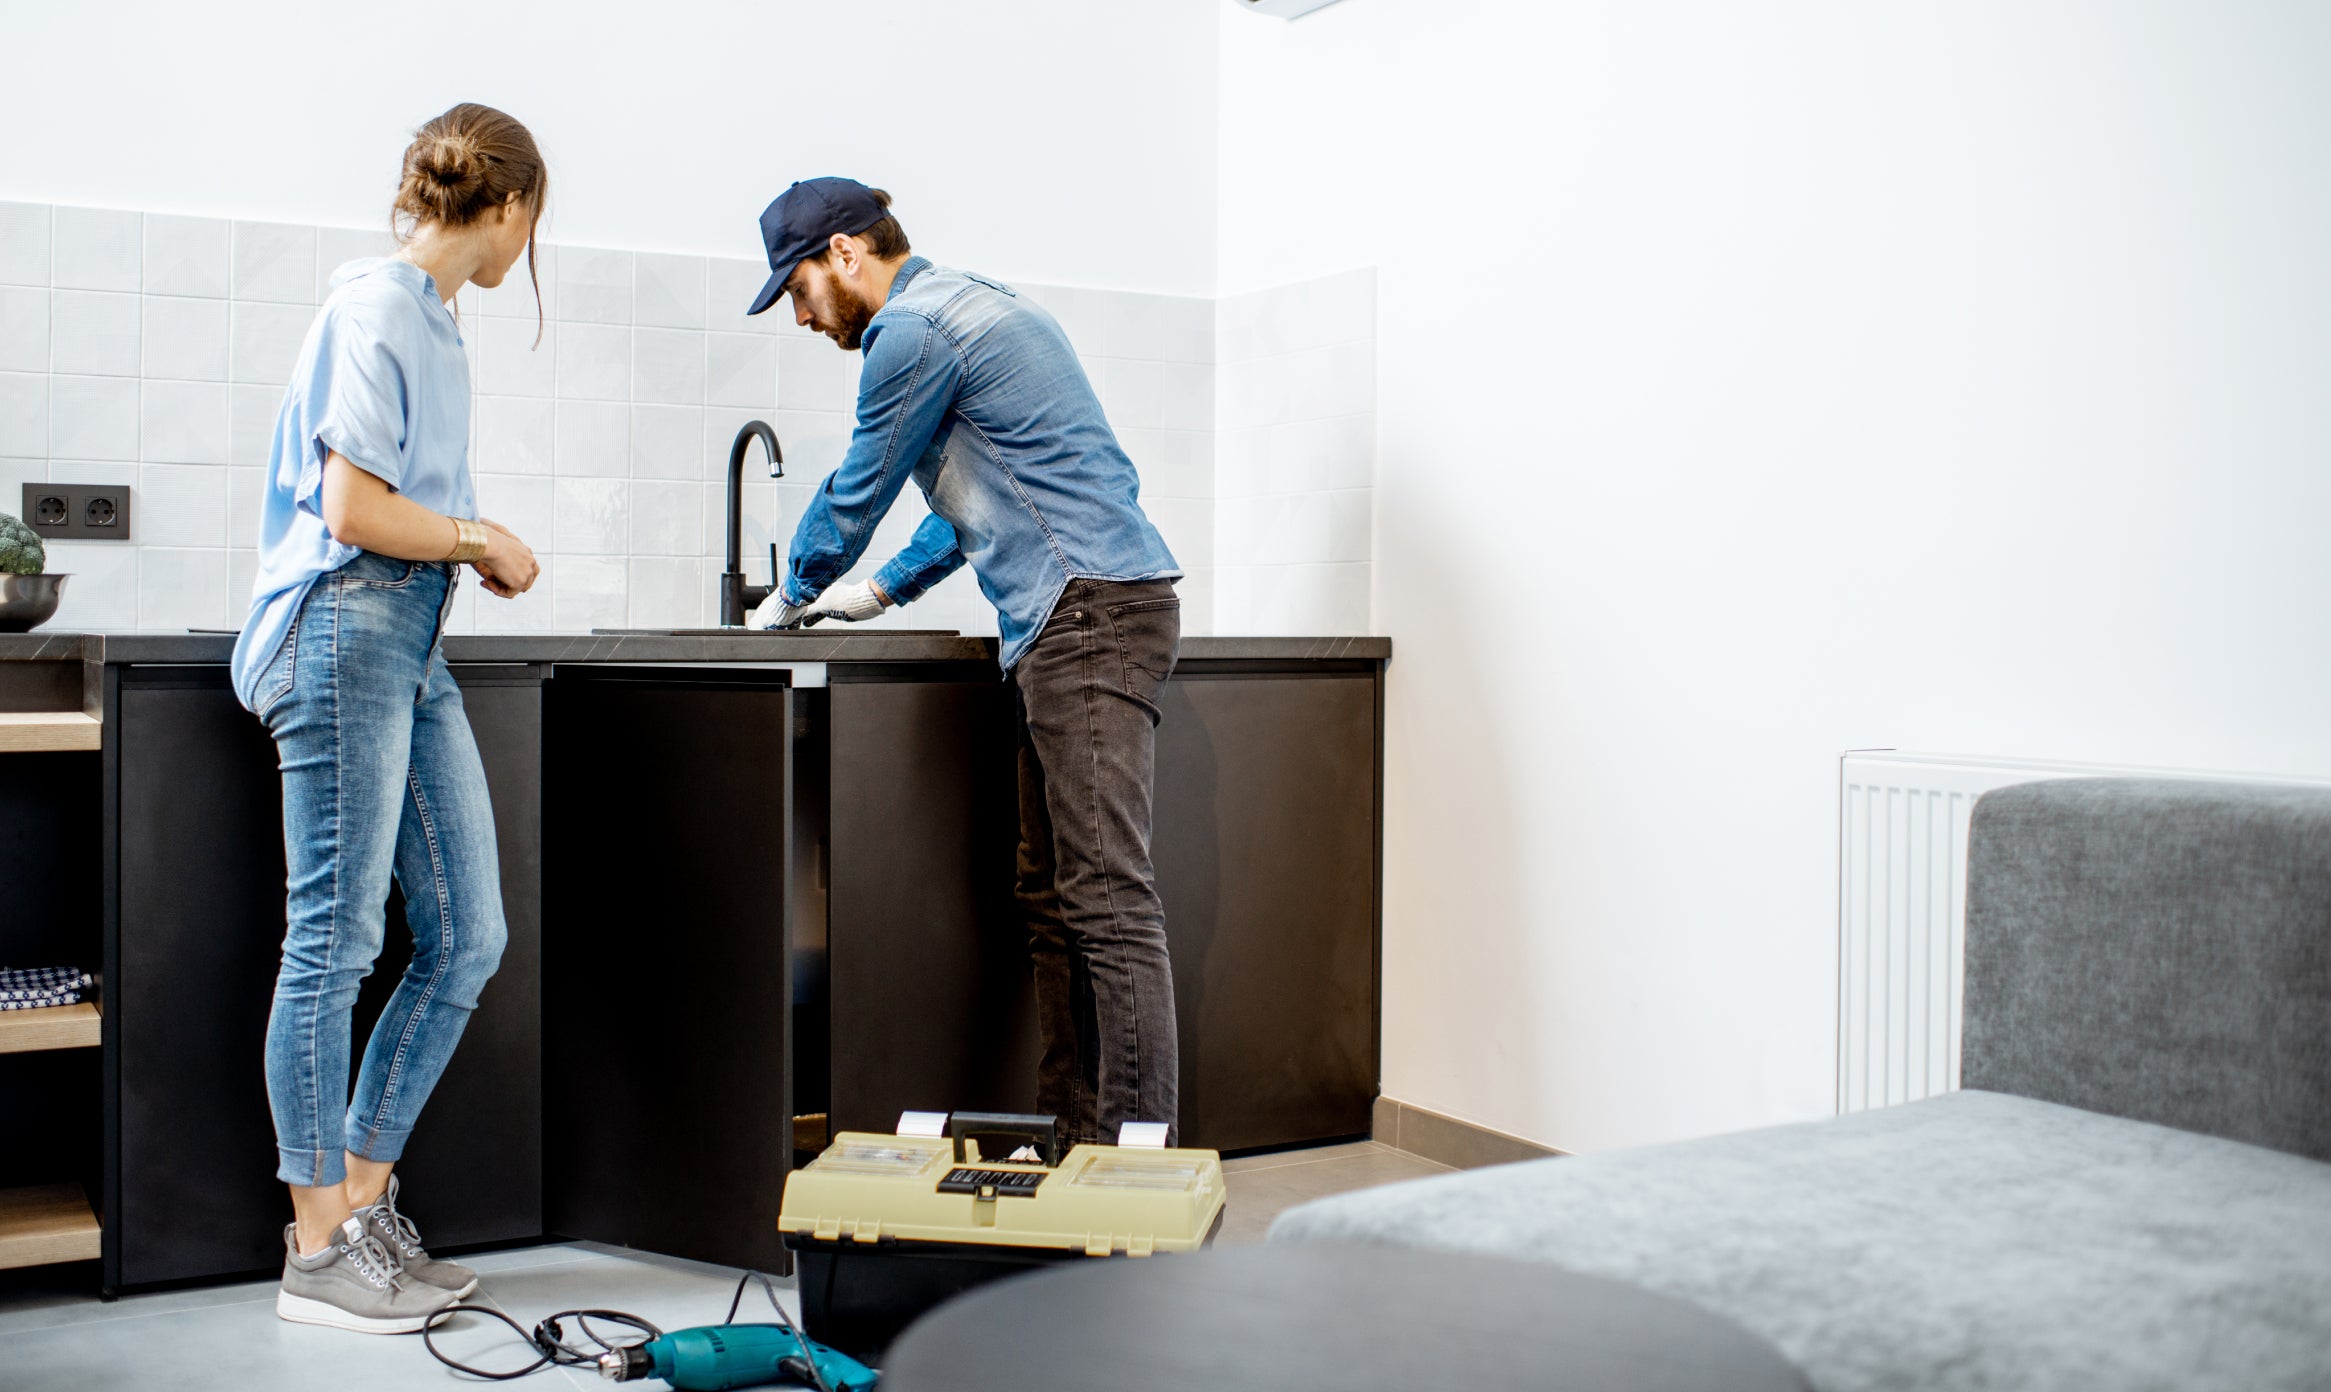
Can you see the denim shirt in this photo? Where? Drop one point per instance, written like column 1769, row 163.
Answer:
column 974, row 391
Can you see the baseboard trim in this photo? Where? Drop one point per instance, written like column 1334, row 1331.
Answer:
column 1448, row 1140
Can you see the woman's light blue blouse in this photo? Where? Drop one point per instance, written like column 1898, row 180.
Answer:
column 382, row 379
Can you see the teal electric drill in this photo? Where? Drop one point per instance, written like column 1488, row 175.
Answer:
column 719, row 1356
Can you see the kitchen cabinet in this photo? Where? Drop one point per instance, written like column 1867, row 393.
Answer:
column 194, row 848
column 758, row 888
column 1265, row 847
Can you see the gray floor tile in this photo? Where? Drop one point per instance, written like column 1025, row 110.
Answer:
column 1277, row 1158
column 1259, row 1196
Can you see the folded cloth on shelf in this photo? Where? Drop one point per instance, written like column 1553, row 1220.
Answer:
column 37, row 988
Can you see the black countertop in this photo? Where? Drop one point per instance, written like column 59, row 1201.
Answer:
column 873, row 645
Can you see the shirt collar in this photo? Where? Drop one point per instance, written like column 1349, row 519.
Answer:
column 422, row 284
column 915, row 266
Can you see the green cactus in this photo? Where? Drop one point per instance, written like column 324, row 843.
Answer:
column 21, row 552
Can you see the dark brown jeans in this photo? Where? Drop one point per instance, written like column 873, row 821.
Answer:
column 1089, row 689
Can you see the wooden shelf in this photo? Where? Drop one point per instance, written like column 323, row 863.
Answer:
column 51, row 1223
column 34, row 731
column 53, row 1027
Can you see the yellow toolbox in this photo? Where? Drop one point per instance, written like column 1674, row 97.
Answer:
column 885, row 1227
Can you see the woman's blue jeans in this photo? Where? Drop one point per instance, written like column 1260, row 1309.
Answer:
column 381, row 777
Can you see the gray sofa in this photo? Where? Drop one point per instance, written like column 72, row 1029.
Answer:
column 2132, row 1191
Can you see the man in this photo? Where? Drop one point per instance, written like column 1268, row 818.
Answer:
column 975, row 392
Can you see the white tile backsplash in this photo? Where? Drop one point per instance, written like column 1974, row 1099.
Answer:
column 594, row 362
column 729, row 288
column 515, row 297
column 510, row 360
column 667, row 517
column 24, row 415
column 1295, row 457
column 24, row 244
column 589, row 592
column 337, row 246
column 670, row 291
column 93, row 417
column 814, row 375
column 667, row 442
column 183, row 423
column 180, row 505
column 593, row 439
column 187, row 256
column 128, row 337
column 103, row 592
column 184, row 338
column 96, row 249
column 740, row 369
column 515, row 435
column 274, row 261
column 667, row 366
column 251, row 415
column 94, row 332
column 263, row 341
column 182, row 587
column 592, row 516
column 522, row 503
column 594, row 286
column 24, row 328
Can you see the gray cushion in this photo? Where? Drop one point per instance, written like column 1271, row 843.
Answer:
column 2156, row 949
column 1969, row 1241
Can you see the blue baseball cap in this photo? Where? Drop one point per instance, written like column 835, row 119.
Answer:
column 802, row 221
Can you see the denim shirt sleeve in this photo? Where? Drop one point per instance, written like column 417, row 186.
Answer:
column 929, row 558
column 908, row 383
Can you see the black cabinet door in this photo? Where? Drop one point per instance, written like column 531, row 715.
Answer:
column 930, row 1003
column 1265, row 845
column 195, row 817
column 666, row 975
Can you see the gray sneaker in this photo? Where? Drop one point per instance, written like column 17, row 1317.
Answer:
column 353, row 1284
column 397, row 1233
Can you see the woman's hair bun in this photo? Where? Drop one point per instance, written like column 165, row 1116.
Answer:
column 465, row 162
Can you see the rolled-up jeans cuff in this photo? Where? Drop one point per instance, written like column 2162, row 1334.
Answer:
column 369, row 1143
column 310, row 1169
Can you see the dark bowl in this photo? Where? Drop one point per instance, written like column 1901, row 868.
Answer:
column 28, row 601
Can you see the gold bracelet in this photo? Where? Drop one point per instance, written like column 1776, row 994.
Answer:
column 469, row 541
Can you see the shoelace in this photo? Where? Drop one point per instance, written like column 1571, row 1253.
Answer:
column 408, row 1236
column 373, row 1262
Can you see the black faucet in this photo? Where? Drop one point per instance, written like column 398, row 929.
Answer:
column 737, row 599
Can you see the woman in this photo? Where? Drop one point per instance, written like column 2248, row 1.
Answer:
column 368, row 518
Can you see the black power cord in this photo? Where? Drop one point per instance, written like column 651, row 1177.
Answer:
column 548, row 1339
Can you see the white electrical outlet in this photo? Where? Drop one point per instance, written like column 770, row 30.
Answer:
column 1284, row 9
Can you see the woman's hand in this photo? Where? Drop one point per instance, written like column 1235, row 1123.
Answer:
column 508, row 568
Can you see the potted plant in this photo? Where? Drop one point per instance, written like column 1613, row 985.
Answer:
column 28, row 596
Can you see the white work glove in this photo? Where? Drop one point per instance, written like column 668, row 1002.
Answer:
column 850, row 603
column 774, row 612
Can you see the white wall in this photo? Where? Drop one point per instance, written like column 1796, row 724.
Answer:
column 1759, row 381
column 1046, row 140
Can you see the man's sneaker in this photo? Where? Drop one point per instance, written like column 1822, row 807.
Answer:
column 353, row 1284
column 397, row 1233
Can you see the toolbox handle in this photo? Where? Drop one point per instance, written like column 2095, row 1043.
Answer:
column 1006, row 1132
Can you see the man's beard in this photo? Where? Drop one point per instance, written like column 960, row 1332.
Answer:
column 854, row 315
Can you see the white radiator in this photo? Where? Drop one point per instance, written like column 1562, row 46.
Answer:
column 1902, row 911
